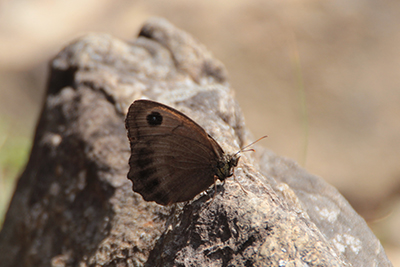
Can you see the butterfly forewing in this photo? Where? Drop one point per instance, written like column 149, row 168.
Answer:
column 172, row 158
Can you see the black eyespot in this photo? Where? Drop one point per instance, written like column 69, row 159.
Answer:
column 154, row 119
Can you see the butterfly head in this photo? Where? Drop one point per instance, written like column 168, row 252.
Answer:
column 228, row 162
column 226, row 165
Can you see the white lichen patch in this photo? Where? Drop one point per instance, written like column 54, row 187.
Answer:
column 328, row 215
column 282, row 263
column 342, row 242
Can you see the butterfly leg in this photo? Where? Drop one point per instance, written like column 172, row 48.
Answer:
column 215, row 191
column 234, row 177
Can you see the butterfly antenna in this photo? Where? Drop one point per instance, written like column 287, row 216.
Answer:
column 243, row 149
column 248, row 150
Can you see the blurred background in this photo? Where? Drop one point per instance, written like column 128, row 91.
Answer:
column 320, row 78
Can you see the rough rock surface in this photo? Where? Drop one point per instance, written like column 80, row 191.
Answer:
column 74, row 206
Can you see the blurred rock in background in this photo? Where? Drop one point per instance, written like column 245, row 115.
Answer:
column 320, row 78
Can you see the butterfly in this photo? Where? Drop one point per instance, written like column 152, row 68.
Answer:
column 172, row 159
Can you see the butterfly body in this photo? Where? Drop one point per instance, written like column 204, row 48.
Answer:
column 172, row 158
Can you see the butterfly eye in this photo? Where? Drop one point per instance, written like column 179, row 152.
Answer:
column 154, row 118
column 221, row 165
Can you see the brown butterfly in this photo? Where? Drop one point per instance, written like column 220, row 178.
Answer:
column 172, row 158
